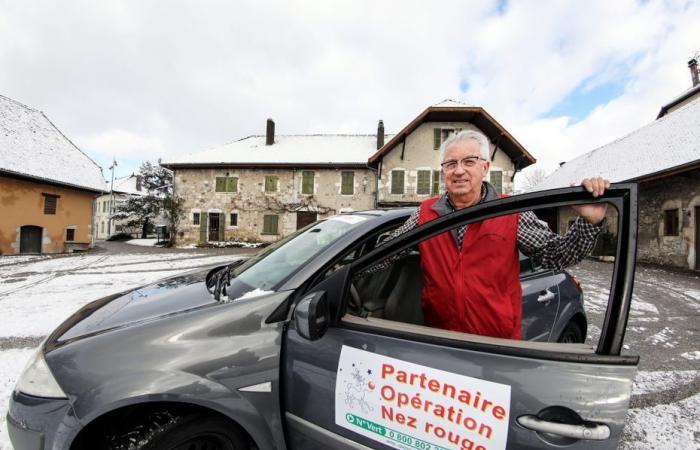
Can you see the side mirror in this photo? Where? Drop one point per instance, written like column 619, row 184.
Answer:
column 312, row 316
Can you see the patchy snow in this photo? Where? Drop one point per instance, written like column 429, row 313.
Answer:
column 289, row 149
column 692, row 356
column 637, row 154
column 142, row 242
column 25, row 131
column 662, row 380
column 235, row 244
column 254, row 293
column 663, row 338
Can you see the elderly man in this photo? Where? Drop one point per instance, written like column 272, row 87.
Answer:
column 471, row 276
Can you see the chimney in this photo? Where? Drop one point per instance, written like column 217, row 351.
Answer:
column 693, row 66
column 380, row 134
column 561, row 164
column 270, row 132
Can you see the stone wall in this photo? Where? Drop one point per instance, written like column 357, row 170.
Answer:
column 251, row 203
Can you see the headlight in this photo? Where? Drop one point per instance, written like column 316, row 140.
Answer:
column 36, row 378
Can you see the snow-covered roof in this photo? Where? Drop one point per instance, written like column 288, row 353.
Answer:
column 449, row 103
column 667, row 143
column 288, row 149
column 32, row 146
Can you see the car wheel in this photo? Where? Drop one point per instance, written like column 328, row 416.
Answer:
column 165, row 431
column 572, row 334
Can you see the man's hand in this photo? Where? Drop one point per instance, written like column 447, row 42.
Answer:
column 594, row 213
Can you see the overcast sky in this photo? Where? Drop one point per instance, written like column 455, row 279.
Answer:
column 147, row 80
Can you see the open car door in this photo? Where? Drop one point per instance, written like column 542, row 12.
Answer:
column 357, row 381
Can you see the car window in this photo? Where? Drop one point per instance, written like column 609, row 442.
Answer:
column 550, row 304
column 268, row 268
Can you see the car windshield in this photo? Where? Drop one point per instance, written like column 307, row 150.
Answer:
column 266, row 269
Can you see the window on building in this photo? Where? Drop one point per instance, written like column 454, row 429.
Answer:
column 104, row 206
column 50, row 203
column 423, row 182
column 70, row 234
column 347, row 186
column 397, row 181
column 234, row 220
column 195, row 218
column 102, row 227
column 271, row 183
column 118, row 228
column 440, row 135
column 307, row 182
column 436, row 182
column 671, row 222
column 270, row 224
column 496, row 178
column 226, row 184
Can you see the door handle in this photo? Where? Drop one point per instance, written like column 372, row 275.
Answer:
column 545, row 296
column 589, row 431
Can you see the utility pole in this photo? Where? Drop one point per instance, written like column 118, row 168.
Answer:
column 111, row 197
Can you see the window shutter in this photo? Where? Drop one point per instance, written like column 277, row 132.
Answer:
column 270, row 224
column 203, row 227
column 307, row 182
column 231, row 184
column 220, row 184
column 423, row 182
column 270, row 184
column 222, row 227
column 497, row 180
column 347, row 183
column 397, row 181
column 437, row 134
column 436, row 182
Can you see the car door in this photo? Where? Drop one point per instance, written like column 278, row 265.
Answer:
column 540, row 299
column 364, row 382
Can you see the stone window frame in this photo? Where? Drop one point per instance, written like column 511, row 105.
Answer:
column 313, row 180
column 230, row 184
column 71, row 229
column 352, row 185
column 277, row 184
column 268, row 228
column 230, row 224
column 195, row 217
column 671, row 222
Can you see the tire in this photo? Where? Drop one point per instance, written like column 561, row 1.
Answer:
column 572, row 334
column 162, row 430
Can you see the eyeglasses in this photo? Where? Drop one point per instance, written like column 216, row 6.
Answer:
column 466, row 163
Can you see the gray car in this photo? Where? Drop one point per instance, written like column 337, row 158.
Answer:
column 294, row 348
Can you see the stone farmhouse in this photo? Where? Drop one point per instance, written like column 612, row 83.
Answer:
column 664, row 158
column 47, row 185
column 266, row 187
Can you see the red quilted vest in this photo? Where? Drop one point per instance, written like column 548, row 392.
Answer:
column 478, row 289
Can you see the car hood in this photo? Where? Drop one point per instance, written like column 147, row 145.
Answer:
column 162, row 298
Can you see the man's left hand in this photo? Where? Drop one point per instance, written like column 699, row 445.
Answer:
column 593, row 213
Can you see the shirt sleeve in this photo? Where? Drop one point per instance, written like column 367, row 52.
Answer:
column 551, row 250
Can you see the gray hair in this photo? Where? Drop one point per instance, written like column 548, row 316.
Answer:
column 478, row 136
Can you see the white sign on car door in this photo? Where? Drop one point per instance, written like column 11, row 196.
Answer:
column 409, row 406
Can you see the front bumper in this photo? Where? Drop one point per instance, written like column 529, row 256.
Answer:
column 36, row 423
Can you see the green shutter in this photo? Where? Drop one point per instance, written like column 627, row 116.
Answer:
column 397, row 181
column 307, row 182
column 423, row 187
column 347, row 183
column 220, row 184
column 497, row 180
column 231, row 184
column 437, row 133
column 270, row 183
column 203, row 218
column 270, row 224
column 222, row 226
column 436, row 182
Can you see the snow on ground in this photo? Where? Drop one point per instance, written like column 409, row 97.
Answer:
column 648, row 428
column 662, row 380
column 11, row 364
column 142, row 242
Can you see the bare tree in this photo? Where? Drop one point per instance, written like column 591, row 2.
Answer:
column 531, row 177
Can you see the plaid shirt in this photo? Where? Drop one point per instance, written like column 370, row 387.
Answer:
column 535, row 239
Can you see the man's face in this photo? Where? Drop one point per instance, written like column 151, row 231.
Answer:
column 464, row 182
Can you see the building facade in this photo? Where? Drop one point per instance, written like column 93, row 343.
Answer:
column 118, row 192
column 47, row 185
column 262, row 188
